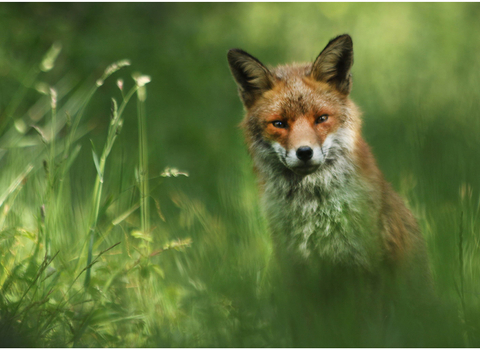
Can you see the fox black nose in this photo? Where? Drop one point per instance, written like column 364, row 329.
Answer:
column 304, row 153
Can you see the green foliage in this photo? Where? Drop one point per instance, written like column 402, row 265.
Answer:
column 187, row 261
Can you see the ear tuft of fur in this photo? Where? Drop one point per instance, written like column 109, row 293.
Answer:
column 334, row 63
column 252, row 77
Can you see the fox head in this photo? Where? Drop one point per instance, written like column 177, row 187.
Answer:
column 299, row 117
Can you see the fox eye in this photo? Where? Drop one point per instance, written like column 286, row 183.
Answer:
column 322, row 118
column 279, row 124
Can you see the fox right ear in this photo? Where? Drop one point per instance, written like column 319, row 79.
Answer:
column 334, row 63
column 252, row 77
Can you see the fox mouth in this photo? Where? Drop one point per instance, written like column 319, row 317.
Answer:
column 305, row 169
column 292, row 162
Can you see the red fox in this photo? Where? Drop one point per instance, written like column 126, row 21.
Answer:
column 325, row 199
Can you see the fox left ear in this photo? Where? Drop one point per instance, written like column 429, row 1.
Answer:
column 334, row 63
column 252, row 77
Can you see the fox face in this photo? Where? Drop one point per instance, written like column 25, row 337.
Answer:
column 298, row 116
column 299, row 121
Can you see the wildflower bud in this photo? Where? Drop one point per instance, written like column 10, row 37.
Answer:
column 49, row 59
column 120, row 84
column 42, row 88
column 20, row 125
column 119, row 127
column 53, row 96
column 42, row 212
column 141, row 80
column 115, row 67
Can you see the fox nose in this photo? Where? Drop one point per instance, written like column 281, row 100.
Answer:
column 304, row 153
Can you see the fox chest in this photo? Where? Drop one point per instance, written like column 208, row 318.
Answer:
column 309, row 224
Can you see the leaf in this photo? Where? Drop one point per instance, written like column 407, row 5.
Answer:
column 16, row 183
column 142, row 236
column 125, row 215
column 158, row 270
column 159, row 211
column 97, row 165
column 72, row 157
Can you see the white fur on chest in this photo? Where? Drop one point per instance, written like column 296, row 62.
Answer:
column 324, row 216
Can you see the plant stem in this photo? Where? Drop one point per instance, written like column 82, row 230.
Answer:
column 113, row 132
column 143, row 160
column 462, row 280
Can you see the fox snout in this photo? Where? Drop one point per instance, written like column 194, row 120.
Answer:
column 307, row 160
column 301, row 147
column 302, row 160
column 304, row 153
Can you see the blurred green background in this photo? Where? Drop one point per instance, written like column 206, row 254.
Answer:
column 416, row 79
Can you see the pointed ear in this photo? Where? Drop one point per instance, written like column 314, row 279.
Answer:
column 252, row 77
column 334, row 63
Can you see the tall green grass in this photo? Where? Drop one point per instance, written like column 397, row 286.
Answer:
column 106, row 242
column 43, row 302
